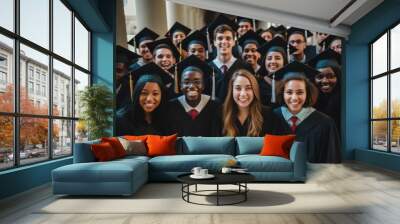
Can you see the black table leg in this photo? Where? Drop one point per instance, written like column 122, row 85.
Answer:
column 217, row 194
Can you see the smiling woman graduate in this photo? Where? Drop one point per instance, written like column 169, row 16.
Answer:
column 328, row 83
column 147, row 112
column 243, row 114
column 193, row 113
column 297, row 116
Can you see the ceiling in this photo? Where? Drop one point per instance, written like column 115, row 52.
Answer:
column 325, row 16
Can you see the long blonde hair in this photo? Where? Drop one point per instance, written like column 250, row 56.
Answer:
column 230, row 109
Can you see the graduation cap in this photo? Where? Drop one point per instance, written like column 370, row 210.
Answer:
column 240, row 19
column 251, row 37
column 279, row 30
column 270, row 29
column 196, row 63
column 196, row 37
column 164, row 43
column 294, row 30
column 295, row 68
column 125, row 56
column 325, row 59
column 177, row 27
column 220, row 20
column 276, row 44
column 144, row 34
column 328, row 41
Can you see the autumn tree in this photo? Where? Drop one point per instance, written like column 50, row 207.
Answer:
column 33, row 131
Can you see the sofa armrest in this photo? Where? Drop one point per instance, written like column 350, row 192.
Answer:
column 83, row 152
column 298, row 155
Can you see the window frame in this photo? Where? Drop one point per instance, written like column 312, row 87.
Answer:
column 15, row 68
column 388, row 74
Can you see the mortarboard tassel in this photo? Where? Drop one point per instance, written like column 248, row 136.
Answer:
column 254, row 25
column 208, row 42
column 131, row 86
column 176, row 87
column 273, row 96
column 134, row 45
column 213, row 85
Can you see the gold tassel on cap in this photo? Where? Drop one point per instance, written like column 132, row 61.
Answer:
column 176, row 81
column 213, row 85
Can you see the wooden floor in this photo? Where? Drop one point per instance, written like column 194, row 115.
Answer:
column 377, row 188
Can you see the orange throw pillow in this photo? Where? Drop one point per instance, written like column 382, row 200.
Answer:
column 277, row 145
column 161, row 145
column 103, row 151
column 116, row 145
column 135, row 138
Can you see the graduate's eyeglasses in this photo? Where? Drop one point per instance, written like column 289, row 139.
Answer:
column 296, row 42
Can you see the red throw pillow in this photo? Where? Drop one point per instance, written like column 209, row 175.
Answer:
column 134, row 138
column 161, row 145
column 103, row 151
column 277, row 145
column 116, row 145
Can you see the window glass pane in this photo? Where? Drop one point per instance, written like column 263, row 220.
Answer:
column 62, row 138
column 395, row 47
column 81, row 131
column 35, row 21
column 395, row 136
column 81, row 45
column 34, row 72
column 62, row 89
column 7, row 14
column 379, row 55
column 62, row 29
column 81, row 81
column 379, row 97
column 395, row 95
column 6, row 142
column 379, row 135
column 6, row 74
column 33, row 139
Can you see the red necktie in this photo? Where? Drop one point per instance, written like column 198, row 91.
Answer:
column 293, row 119
column 224, row 68
column 193, row 113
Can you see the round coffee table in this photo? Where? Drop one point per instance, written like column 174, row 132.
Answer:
column 238, row 179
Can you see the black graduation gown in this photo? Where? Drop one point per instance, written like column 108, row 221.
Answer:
column 329, row 104
column 205, row 124
column 126, row 126
column 123, row 96
column 222, row 81
column 318, row 132
column 268, row 126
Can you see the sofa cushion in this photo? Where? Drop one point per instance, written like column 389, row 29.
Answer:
column 133, row 147
column 207, row 145
column 257, row 163
column 185, row 163
column 161, row 145
column 103, row 152
column 277, row 145
column 116, row 144
column 249, row 145
column 112, row 171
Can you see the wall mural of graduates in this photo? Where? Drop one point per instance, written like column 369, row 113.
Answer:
column 227, row 79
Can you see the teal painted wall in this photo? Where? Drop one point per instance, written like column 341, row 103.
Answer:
column 99, row 15
column 356, row 108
